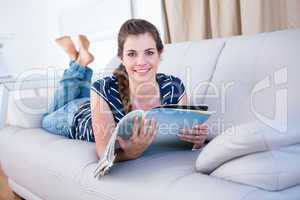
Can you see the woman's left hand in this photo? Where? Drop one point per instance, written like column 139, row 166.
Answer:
column 196, row 135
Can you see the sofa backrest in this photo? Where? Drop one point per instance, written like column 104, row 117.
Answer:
column 194, row 63
column 256, row 78
column 222, row 73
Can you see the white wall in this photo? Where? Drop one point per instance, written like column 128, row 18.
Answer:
column 20, row 20
column 150, row 10
column 28, row 29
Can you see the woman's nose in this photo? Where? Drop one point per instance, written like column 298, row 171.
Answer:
column 141, row 60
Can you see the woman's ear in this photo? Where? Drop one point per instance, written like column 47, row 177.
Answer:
column 161, row 51
column 160, row 55
column 120, row 59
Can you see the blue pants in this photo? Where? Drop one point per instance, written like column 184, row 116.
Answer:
column 73, row 90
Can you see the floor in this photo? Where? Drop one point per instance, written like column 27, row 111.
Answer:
column 5, row 191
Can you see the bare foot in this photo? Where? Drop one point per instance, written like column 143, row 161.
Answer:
column 84, row 42
column 68, row 46
column 85, row 57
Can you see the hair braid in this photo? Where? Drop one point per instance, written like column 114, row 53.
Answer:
column 123, row 87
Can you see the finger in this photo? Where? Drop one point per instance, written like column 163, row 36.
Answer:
column 152, row 129
column 135, row 128
column 147, row 123
column 201, row 129
column 197, row 128
column 188, row 130
column 142, row 125
column 193, row 137
column 148, row 128
column 122, row 142
column 197, row 146
column 143, row 135
column 187, row 140
column 192, row 141
column 201, row 126
column 193, row 132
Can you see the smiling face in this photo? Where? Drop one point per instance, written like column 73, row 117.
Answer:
column 140, row 57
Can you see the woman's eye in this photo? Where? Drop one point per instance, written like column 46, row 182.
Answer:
column 150, row 53
column 131, row 54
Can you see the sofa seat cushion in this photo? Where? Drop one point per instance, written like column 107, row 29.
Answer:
column 54, row 167
column 45, row 163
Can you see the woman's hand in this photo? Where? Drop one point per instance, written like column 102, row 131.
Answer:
column 140, row 140
column 196, row 135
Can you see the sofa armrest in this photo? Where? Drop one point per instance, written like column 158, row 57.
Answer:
column 9, row 87
column 3, row 104
column 32, row 80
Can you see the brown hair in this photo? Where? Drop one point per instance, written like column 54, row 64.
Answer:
column 132, row 27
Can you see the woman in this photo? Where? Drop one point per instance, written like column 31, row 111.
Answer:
column 135, row 84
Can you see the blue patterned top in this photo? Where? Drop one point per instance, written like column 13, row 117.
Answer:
column 171, row 91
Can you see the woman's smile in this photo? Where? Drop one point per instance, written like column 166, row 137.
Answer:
column 142, row 70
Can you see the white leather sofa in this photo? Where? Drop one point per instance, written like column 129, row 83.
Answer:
column 243, row 79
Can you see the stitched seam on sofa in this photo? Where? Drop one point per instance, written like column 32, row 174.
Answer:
column 266, row 173
column 102, row 194
column 249, row 193
column 246, row 174
column 292, row 186
column 78, row 175
column 239, row 183
column 260, row 49
column 83, row 169
column 145, row 161
column 77, row 179
column 273, row 159
column 278, row 170
column 265, row 141
column 185, row 52
column 85, row 189
column 81, row 185
column 277, row 192
column 180, row 177
column 213, row 70
column 61, row 176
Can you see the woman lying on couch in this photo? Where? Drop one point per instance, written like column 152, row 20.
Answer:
column 91, row 113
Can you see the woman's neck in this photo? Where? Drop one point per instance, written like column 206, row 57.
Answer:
column 144, row 93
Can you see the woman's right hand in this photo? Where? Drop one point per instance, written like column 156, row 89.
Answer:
column 139, row 140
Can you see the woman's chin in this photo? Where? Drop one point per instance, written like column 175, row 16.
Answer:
column 143, row 76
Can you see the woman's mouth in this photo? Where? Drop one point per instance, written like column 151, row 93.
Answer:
column 142, row 71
